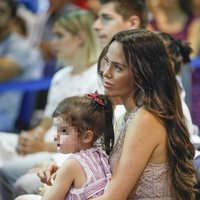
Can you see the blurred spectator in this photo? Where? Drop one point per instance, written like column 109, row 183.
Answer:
column 176, row 18
column 39, row 28
column 40, row 24
column 179, row 52
column 16, row 63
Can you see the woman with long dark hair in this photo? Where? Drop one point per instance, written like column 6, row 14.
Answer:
column 153, row 156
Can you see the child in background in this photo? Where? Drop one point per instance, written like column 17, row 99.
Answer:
column 84, row 124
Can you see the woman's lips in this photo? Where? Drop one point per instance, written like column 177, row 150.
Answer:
column 107, row 85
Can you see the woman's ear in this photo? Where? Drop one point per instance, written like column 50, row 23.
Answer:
column 88, row 136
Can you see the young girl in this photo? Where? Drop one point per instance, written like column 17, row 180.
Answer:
column 83, row 125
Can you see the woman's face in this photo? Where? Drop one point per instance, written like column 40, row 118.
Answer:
column 117, row 76
column 64, row 44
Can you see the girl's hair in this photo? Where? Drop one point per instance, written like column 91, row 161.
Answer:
column 179, row 51
column 86, row 113
column 81, row 21
column 156, row 89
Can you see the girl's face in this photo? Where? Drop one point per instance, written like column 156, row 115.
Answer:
column 67, row 138
column 64, row 44
column 117, row 76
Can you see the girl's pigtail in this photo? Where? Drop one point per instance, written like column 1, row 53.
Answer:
column 109, row 131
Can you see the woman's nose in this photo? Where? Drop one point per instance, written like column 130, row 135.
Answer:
column 107, row 71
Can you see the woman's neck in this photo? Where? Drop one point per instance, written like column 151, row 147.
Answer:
column 129, row 104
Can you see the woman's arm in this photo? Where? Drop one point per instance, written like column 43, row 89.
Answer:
column 142, row 138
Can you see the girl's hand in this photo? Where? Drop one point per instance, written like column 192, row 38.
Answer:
column 48, row 174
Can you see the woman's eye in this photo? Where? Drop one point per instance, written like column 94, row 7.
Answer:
column 118, row 68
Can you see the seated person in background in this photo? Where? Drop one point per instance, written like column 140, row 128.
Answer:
column 81, row 122
column 176, row 18
column 16, row 63
column 179, row 51
column 75, row 44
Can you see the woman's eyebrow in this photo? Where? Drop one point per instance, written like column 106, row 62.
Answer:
column 116, row 63
column 113, row 62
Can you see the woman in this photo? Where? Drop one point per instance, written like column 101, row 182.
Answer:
column 153, row 156
column 75, row 44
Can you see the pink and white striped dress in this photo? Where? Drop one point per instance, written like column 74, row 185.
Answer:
column 97, row 169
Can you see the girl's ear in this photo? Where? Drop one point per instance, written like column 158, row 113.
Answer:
column 87, row 136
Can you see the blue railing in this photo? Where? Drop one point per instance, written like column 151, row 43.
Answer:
column 27, row 85
column 30, row 89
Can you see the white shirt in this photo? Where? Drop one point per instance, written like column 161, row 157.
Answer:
column 65, row 84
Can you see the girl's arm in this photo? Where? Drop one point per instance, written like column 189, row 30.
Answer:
column 64, row 179
column 142, row 139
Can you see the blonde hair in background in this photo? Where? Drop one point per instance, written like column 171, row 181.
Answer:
column 81, row 22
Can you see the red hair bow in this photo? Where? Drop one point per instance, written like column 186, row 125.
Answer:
column 96, row 97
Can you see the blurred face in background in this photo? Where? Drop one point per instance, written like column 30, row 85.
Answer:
column 64, row 44
column 109, row 22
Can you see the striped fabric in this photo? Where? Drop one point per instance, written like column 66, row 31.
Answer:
column 97, row 169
